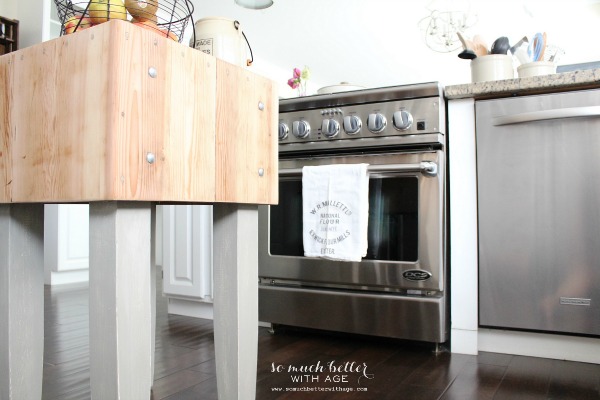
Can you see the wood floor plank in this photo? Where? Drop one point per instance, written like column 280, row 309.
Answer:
column 439, row 371
column 61, row 328
column 59, row 357
column 476, row 381
column 66, row 385
column 502, row 360
column 207, row 367
column 574, row 381
column 207, row 390
column 526, row 378
column 169, row 365
column 177, row 382
column 52, row 372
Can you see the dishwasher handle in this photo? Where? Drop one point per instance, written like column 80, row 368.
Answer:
column 428, row 168
column 559, row 113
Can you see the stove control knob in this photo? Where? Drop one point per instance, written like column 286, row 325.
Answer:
column 352, row 124
column 300, row 129
column 376, row 122
column 330, row 128
column 283, row 130
column 402, row 120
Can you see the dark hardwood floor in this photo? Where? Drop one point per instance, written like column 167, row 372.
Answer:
column 379, row 368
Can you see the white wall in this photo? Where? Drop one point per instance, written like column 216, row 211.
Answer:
column 375, row 43
column 380, row 43
column 8, row 9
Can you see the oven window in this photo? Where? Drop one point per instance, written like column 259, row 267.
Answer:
column 393, row 219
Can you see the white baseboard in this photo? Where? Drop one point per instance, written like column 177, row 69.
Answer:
column 463, row 341
column 560, row 347
column 190, row 308
column 75, row 277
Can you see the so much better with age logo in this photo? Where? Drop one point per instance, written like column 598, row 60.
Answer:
column 327, row 376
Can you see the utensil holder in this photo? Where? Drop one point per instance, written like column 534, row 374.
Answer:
column 492, row 67
column 536, row 68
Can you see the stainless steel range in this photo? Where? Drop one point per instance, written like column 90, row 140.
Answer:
column 400, row 288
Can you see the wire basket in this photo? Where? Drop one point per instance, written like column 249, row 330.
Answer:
column 168, row 18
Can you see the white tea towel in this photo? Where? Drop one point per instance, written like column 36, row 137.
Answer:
column 335, row 211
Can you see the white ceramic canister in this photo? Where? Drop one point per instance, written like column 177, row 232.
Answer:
column 222, row 38
column 536, row 68
column 492, row 67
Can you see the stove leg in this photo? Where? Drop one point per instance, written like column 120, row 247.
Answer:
column 439, row 349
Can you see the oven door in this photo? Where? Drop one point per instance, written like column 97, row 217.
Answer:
column 405, row 232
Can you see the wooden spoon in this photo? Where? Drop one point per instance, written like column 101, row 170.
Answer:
column 479, row 46
column 544, row 44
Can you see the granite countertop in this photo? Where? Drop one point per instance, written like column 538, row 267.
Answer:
column 580, row 79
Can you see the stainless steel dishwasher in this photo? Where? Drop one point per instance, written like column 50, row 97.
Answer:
column 538, row 175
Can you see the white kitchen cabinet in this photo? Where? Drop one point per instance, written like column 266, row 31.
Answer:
column 66, row 243
column 187, row 259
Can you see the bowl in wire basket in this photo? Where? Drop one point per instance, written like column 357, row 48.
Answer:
column 167, row 18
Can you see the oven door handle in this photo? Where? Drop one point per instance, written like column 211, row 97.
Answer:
column 428, row 168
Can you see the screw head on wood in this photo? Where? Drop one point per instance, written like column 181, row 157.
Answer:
column 150, row 158
column 152, row 72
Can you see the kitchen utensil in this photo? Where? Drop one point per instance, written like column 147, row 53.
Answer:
column 513, row 49
column 467, row 53
column 479, row 46
column 520, row 51
column 553, row 53
column 500, row 45
column 536, row 47
column 544, row 45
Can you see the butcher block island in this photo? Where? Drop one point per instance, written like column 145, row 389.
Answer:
column 121, row 118
column 119, row 113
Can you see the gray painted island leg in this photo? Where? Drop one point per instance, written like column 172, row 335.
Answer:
column 235, row 264
column 21, row 301
column 153, row 287
column 120, row 300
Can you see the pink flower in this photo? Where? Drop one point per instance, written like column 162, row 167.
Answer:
column 298, row 81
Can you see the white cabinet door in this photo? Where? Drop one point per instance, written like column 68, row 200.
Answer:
column 66, row 243
column 187, row 252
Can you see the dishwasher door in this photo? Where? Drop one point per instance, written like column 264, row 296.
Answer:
column 538, row 175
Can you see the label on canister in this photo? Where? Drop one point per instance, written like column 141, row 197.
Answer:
column 205, row 45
